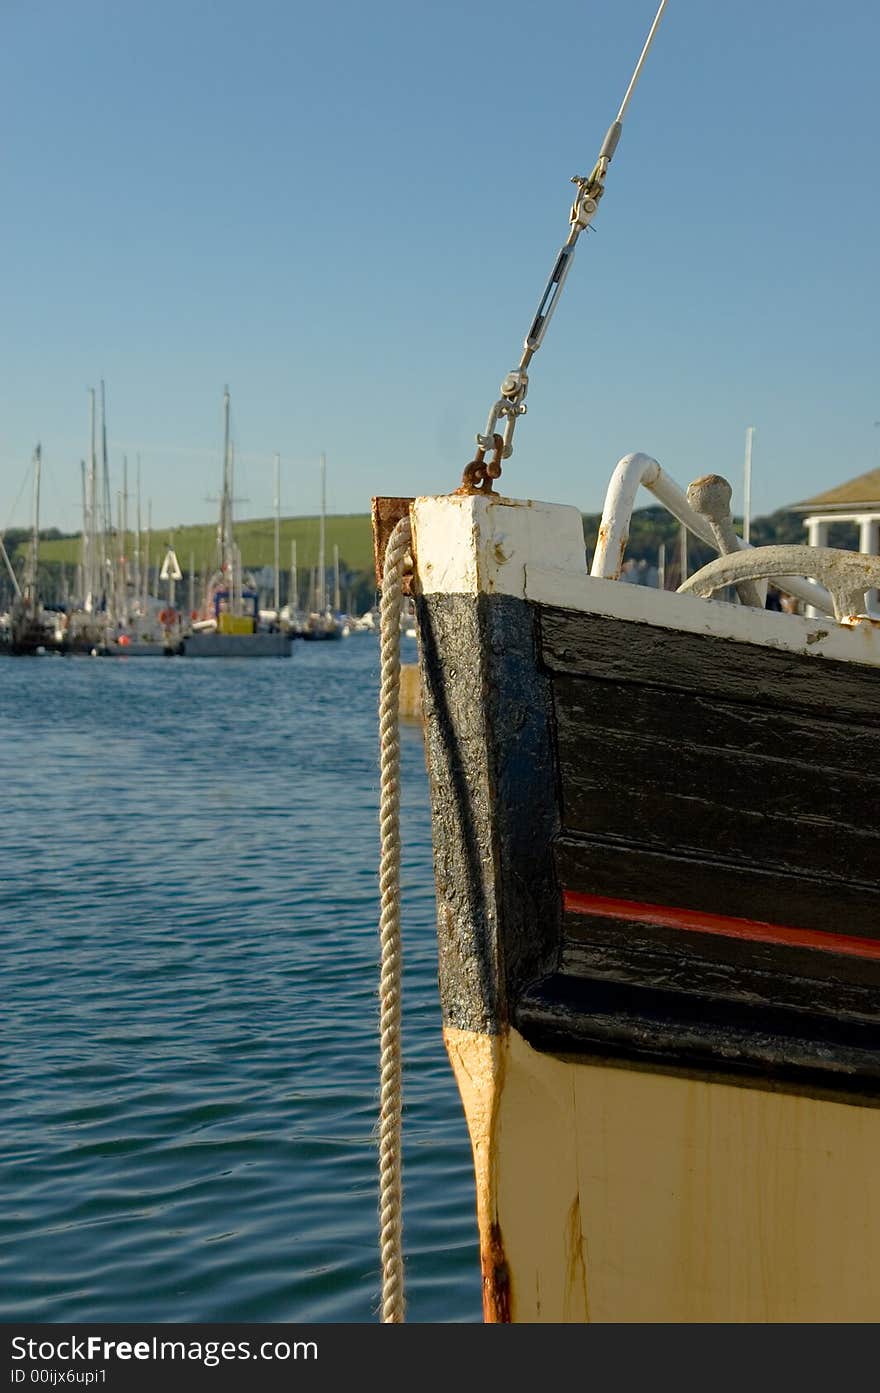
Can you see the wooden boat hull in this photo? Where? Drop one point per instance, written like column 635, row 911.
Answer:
column 659, row 945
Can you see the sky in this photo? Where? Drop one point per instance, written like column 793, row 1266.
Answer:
column 348, row 213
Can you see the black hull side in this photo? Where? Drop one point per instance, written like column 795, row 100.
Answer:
column 655, row 846
column 490, row 752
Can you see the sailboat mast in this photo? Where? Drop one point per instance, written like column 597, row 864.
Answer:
column 30, row 589
column 292, row 598
column 320, row 600
column 147, row 553
column 277, row 534
column 337, row 603
column 137, row 540
column 119, row 612
column 224, row 538
column 235, row 558
column 84, row 548
column 108, row 567
column 123, row 554
column 92, row 586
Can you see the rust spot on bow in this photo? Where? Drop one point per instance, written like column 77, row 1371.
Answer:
column 478, row 475
column 496, row 1278
column 386, row 514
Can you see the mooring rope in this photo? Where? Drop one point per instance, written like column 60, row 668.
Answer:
column 390, row 1093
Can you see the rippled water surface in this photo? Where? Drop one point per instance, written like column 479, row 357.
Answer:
column 189, row 1068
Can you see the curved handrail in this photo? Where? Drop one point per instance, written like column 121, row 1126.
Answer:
column 637, row 471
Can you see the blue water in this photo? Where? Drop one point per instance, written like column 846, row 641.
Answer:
column 189, row 1071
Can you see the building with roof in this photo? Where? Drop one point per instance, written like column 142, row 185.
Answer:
column 857, row 501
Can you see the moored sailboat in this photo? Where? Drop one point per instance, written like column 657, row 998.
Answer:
column 228, row 626
column 33, row 629
column 321, row 622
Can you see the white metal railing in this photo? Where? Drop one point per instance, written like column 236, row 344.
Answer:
column 642, row 471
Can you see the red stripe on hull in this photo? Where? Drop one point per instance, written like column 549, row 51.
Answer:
column 699, row 921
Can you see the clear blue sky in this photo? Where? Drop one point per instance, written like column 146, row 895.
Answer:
column 348, row 212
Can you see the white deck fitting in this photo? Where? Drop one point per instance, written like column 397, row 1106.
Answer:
column 467, row 544
column 642, row 471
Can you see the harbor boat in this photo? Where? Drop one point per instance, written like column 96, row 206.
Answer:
column 291, row 621
column 229, row 625
column 90, row 623
column 85, row 633
column 124, row 646
column 145, row 636
column 143, row 626
column 658, row 898
column 321, row 625
column 233, row 629
column 33, row 629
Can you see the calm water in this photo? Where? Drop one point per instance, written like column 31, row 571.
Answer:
column 189, row 1070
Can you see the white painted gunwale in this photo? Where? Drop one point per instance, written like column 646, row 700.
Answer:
column 821, row 637
column 491, row 545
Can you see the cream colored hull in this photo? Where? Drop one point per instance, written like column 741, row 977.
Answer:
column 613, row 1194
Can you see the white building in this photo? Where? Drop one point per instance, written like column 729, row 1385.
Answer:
column 857, row 501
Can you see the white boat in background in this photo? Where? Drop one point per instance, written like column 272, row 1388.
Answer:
column 321, row 626
column 363, row 624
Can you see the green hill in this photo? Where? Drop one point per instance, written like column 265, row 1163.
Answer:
column 352, row 533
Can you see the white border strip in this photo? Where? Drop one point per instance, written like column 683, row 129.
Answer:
column 792, row 633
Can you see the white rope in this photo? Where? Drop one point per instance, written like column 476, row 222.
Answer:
column 390, row 1099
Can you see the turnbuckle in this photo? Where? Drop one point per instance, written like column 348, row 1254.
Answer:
column 511, row 403
column 509, row 406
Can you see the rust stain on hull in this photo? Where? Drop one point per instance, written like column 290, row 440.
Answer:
column 478, row 1063
column 576, row 1272
column 496, row 1277
column 386, row 514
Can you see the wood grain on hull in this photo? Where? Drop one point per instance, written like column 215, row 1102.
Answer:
column 733, row 786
